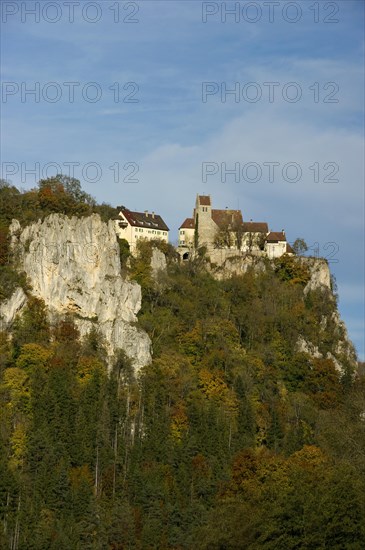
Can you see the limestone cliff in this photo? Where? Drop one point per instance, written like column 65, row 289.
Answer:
column 9, row 308
column 73, row 265
column 320, row 275
column 223, row 264
column 158, row 262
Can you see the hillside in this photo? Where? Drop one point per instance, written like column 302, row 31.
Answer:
column 244, row 428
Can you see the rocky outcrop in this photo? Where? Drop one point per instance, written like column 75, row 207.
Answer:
column 343, row 354
column 226, row 263
column 303, row 346
column 158, row 262
column 320, row 275
column 73, row 264
column 9, row 308
column 307, row 347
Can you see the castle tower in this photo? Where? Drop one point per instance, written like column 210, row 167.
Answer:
column 203, row 222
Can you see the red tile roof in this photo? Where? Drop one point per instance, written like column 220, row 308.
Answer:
column 289, row 249
column 224, row 217
column 275, row 237
column 204, row 200
column 255, row 227
column 187, row 224
column 143, row 219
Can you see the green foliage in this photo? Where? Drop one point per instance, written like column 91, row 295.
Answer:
column 231, row 438
column 289, row 269
column 4, row 245
column 106, row 212
column 124, row 252
column 273, row 502
column 10, row 280
column 10, row 277
column 60, row 193
column 63, row 194
column 32, row 326
column 167, row 248
column 196, row 232
column 33, row 356
column 141, row 270
column 72, row 187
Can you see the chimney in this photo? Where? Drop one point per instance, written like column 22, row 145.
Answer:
column 153, row 214
column 146, row 213
column 283, row 232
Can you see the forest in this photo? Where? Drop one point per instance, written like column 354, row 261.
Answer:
column 230, row 439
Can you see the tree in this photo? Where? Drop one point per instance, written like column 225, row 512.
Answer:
column 4, row 245
column 33, row 325
column 300, row 246
column 196, row 232
column 32, row 356
column 223, row 236
column 124, row 252
column 290, row 269
column 237, row 229
column 323, row 383
column 72, row 186
column 64, row 194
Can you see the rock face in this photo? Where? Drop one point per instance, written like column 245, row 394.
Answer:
column 230, row 263
column 319, row 271
column 344, row 350
column 73, row 265
column 307, row 347
column 158, row 262
column 225, row 263
column 9, row 308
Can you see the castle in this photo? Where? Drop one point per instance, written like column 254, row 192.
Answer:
column 225, row 230
column 222, row 232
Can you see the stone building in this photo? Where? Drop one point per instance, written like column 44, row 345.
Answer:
column 276, row 244
column 225, row 230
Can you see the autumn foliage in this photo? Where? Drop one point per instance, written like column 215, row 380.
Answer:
column 232, row 438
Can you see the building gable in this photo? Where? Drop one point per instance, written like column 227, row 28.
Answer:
column 189, row 223
column 276, row 236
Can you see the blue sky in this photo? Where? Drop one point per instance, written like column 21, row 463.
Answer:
column 312, row 50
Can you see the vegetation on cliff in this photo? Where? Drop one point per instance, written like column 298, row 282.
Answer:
column 231, row 439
